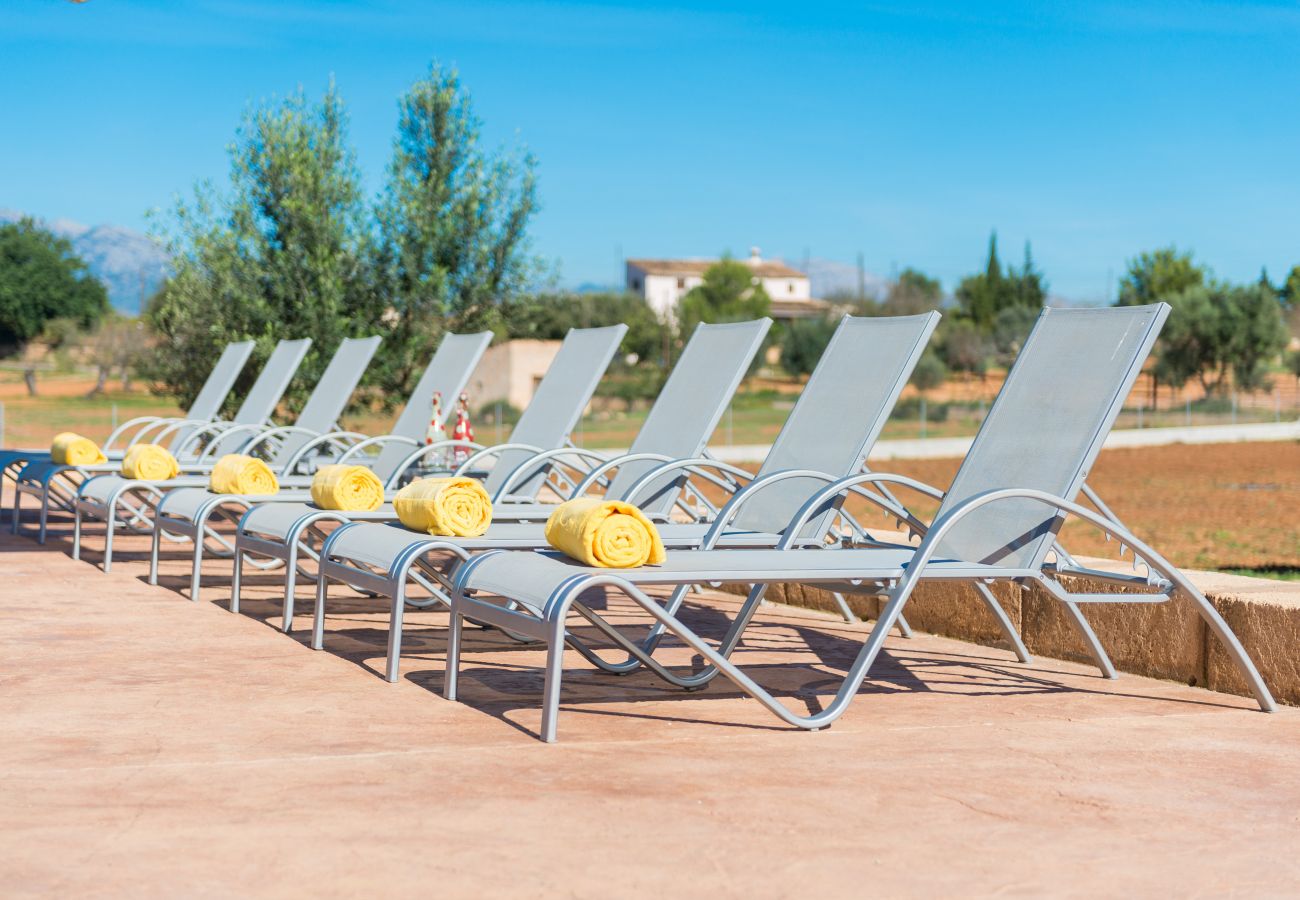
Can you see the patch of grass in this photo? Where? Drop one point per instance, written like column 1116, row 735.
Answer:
column 1279, row 573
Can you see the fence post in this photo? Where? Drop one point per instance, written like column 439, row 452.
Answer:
column 113, row 427
column 730, row 435
column 1187, row 400
column 1139, row 412
column 922, row 415
column 1234, row 406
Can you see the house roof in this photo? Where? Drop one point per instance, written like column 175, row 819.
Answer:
column 799, row 309
column 762, row 268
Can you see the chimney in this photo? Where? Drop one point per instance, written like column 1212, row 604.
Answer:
column 755, row 258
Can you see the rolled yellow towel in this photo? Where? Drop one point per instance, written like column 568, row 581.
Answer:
column 453, row 507
column 349, row 488
column 149, row 462
column 71, row 449
column 239, row 474
column 606, row 533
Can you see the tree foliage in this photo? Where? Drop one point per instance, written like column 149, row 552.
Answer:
column 803, row 342
column 912, row 293
column 42, row 279
column 729, row 293
column 452, row 224
column 981, row 297
column 282, row 254
column 930, row 371
column 1218, row 330
column 550, row 316
column 1158, row 275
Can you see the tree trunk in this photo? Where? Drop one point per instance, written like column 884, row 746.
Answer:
column 126, row 378
column 100, row 379
column 29, row 376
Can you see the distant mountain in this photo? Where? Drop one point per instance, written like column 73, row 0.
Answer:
column 130, row 264
column 827, row 277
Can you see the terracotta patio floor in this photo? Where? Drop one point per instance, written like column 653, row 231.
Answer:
column 153, row 746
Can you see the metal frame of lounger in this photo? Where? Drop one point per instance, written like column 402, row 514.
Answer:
column 100, row 498
column 172, row 430
column 189, row 514
column 46, row 480
column 833, row 425
column 291, row 528
column 997, row 511
column 714, row 350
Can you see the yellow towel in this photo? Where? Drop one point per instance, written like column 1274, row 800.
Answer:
column 454, row 507
column 238, row 474
column 71, row 449
column 149, row 462
column 349, row 488
column 606, row 533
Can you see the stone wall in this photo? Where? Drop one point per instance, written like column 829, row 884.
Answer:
column 1160, row 640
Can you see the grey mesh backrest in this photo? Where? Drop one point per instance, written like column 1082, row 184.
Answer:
column 447, row 373
column 266, row 392
column 563, row 394
column 688, row 408
column 213, row 393
column 1046, row 427
column 330, row 396
column 839, row 414
column 220, row 380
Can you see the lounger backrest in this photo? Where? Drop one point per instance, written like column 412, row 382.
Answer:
column 220, row 380
column 839, row 414
column 690, row 405
column 558, row 403
column 447, row 374
column 330, row 396
column 1046, row 427
column 266, row 392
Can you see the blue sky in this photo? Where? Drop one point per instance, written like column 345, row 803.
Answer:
column 904, row 131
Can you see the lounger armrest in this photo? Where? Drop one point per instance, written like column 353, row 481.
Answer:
column 378, row 440
column 226, row 432
column 597, row 475
column 141, row 425
column 422, row 450
column 699, row 465
column 340, row 439
column 816, row 504
column 540, row 461
column 484, row 453
column 166, row 429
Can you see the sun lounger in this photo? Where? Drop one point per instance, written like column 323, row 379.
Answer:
column 998, row 521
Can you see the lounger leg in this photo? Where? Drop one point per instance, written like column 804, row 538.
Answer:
column 235, row 579
column 318, row 620
column 76, row 532
column 1099, row 655
column 395, row 632
column 18, row 504
column 843, row 604
column 554, row 672
column 1230, row 643
column 1004, row 622
column 45, row 514
column 452, row 667
column 196, row 574
column 290, row 585
column 154, row 547
column 108, row 539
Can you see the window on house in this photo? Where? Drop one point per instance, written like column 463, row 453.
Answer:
column 681, row 283
column 636, row 284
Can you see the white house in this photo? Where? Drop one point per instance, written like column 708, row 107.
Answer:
column 664, row 282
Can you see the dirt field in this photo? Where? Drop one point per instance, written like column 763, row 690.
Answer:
column 1214, row 506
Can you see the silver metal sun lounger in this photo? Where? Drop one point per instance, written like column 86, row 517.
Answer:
column 831, row 429
column 120, row 501
column 171, row 431
column 56, row 485
column 188, row 513
column 998, row 521
column 685, row 414
column 289, row 527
